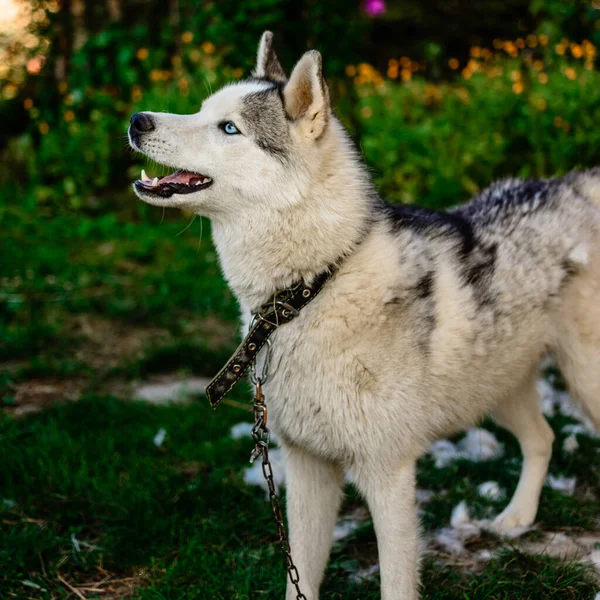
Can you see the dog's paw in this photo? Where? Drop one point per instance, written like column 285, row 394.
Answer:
column 513, row 521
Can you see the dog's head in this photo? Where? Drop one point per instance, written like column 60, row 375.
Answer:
column 252, row 142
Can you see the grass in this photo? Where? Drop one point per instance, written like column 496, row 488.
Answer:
column 86, row 493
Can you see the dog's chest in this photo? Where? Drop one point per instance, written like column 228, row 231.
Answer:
column 325, row 386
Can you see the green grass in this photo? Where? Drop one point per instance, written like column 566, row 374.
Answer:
column 110, row 297
column 180, row 519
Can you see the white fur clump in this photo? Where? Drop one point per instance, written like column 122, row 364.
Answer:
column 553, row 400
column 254, row 476
column 585, row 428
column 479, row 445
column 424, row 496
column 160, row 437
column 570, row 444
column 345, row 528
column 594, row 558
column 452, row 539
column 562, row 484
column 597, row 596
column 241, row 430
column 490, row 490
column 365, row 574
column 443, row 452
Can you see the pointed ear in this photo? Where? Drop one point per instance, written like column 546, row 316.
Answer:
column 306, row 95
column 267, row 63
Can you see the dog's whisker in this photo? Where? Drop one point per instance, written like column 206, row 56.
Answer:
column 188, row 225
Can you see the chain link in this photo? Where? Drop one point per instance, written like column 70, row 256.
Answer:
column 261, row 436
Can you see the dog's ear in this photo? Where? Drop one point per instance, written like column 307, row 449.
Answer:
column 267, row 63
column 306, row 95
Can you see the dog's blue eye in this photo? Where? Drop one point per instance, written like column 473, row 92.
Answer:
column 230, row 129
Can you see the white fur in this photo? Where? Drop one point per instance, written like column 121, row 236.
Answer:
column 351, row 386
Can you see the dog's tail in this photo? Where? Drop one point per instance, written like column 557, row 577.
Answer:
column 587, row 183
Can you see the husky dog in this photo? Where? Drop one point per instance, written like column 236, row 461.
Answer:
column 432, row 320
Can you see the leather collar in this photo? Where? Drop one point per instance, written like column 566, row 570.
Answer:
column 283, row 307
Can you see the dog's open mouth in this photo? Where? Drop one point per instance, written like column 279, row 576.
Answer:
column 180, row 182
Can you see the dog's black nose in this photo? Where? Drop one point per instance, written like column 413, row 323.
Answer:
column 141, row 122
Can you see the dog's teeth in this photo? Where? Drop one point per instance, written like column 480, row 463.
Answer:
column 144, row 176
column 155, row 182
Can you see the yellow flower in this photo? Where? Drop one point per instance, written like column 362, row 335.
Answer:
column 142, row 53
column 187, row 37
column 28, row 103
column 453, row 63
column 44, row 128
column 367, row 112
column 532, row 41
column 511, row 49
column 543, row 78
column 539, row 103
column 69, row 116
column 571, row 73
column 517, row 87
column 463, row 94
column 136, row 93
column 237, row 72
column 208, row 47
column 576, row 50
column 350, row 70
column 543, row 39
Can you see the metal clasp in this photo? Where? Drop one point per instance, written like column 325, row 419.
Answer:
column 263, row 376
column 261, row 435
column 287, row 307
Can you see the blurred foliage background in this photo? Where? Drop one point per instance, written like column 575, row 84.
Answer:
column 442, row 96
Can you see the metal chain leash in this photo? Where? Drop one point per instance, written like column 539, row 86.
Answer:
column 262, row 437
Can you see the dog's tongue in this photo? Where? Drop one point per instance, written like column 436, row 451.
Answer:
column 181, row 176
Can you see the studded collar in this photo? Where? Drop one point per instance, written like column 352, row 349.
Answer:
column 282, row 308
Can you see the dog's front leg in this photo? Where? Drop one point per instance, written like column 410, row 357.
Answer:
column 314, row 493
column 390, row 494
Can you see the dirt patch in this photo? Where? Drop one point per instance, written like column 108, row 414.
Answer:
column 106, row 344
column 36, row 394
